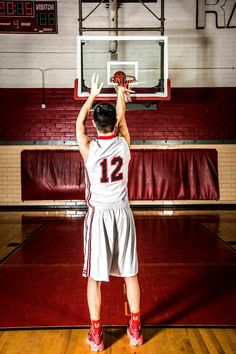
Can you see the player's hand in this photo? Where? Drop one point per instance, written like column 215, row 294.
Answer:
column 95, row 88
column 125, row 92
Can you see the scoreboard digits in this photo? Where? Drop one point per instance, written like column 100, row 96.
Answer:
column 45, row 19
column 16, row 8
column 28, row 17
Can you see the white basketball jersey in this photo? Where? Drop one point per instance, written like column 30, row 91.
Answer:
column 107, row 171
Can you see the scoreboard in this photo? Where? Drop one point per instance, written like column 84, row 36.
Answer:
column 28, row 17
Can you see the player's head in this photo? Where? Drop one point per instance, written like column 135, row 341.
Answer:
column 104, row 117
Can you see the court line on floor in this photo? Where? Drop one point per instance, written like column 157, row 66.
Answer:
column 115, row 326
column 67, row 265
column 10, row 254
column 228, row 245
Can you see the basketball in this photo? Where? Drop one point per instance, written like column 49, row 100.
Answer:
column 119, row 78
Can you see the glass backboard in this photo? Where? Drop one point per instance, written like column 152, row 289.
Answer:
column 144, row 57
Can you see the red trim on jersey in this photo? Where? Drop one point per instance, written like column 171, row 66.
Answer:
column 106, row 137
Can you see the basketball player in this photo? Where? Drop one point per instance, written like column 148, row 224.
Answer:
column 109, row 230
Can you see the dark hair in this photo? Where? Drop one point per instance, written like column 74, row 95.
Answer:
column 104, row 116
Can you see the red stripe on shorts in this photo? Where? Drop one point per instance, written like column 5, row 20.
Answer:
column 87, row 270
column 89, row 245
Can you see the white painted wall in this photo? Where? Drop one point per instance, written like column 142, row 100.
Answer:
column 197, row 57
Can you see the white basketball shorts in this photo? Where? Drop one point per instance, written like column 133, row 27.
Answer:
column 110, row 243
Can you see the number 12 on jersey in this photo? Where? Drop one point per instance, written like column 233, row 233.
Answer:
column 116, row 174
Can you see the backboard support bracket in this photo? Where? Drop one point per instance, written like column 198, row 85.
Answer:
column 160, row 28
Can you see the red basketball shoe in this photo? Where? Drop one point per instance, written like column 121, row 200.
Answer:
column 95, row 341
column 135, row 335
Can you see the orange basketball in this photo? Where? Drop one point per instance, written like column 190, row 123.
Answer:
column 119, row 77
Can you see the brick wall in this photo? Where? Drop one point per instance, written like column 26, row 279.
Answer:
column 192, row 114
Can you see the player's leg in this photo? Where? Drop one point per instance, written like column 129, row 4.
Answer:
column 95, row 339
column 94, row 298
column 98, row 257
column 125, row 263
column 133, row 295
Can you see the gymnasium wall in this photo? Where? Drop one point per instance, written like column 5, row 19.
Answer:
column 192, row 114
column 199, row 59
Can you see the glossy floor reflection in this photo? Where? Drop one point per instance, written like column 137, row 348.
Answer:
column 186, row 272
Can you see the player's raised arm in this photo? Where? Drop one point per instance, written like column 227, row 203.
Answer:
column 120, row 113
column 81, row 134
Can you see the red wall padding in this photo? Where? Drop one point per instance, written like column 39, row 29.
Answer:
column 153, row 174
column 192, row 114
column 52, row 175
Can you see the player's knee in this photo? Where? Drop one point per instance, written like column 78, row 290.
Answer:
column 132, row 278
column 94, row 282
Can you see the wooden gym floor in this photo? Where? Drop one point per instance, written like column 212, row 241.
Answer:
column 157, row 340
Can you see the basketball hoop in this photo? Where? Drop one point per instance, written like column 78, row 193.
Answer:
column 121, row 79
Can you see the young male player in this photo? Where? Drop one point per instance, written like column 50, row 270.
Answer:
column 109, row 230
